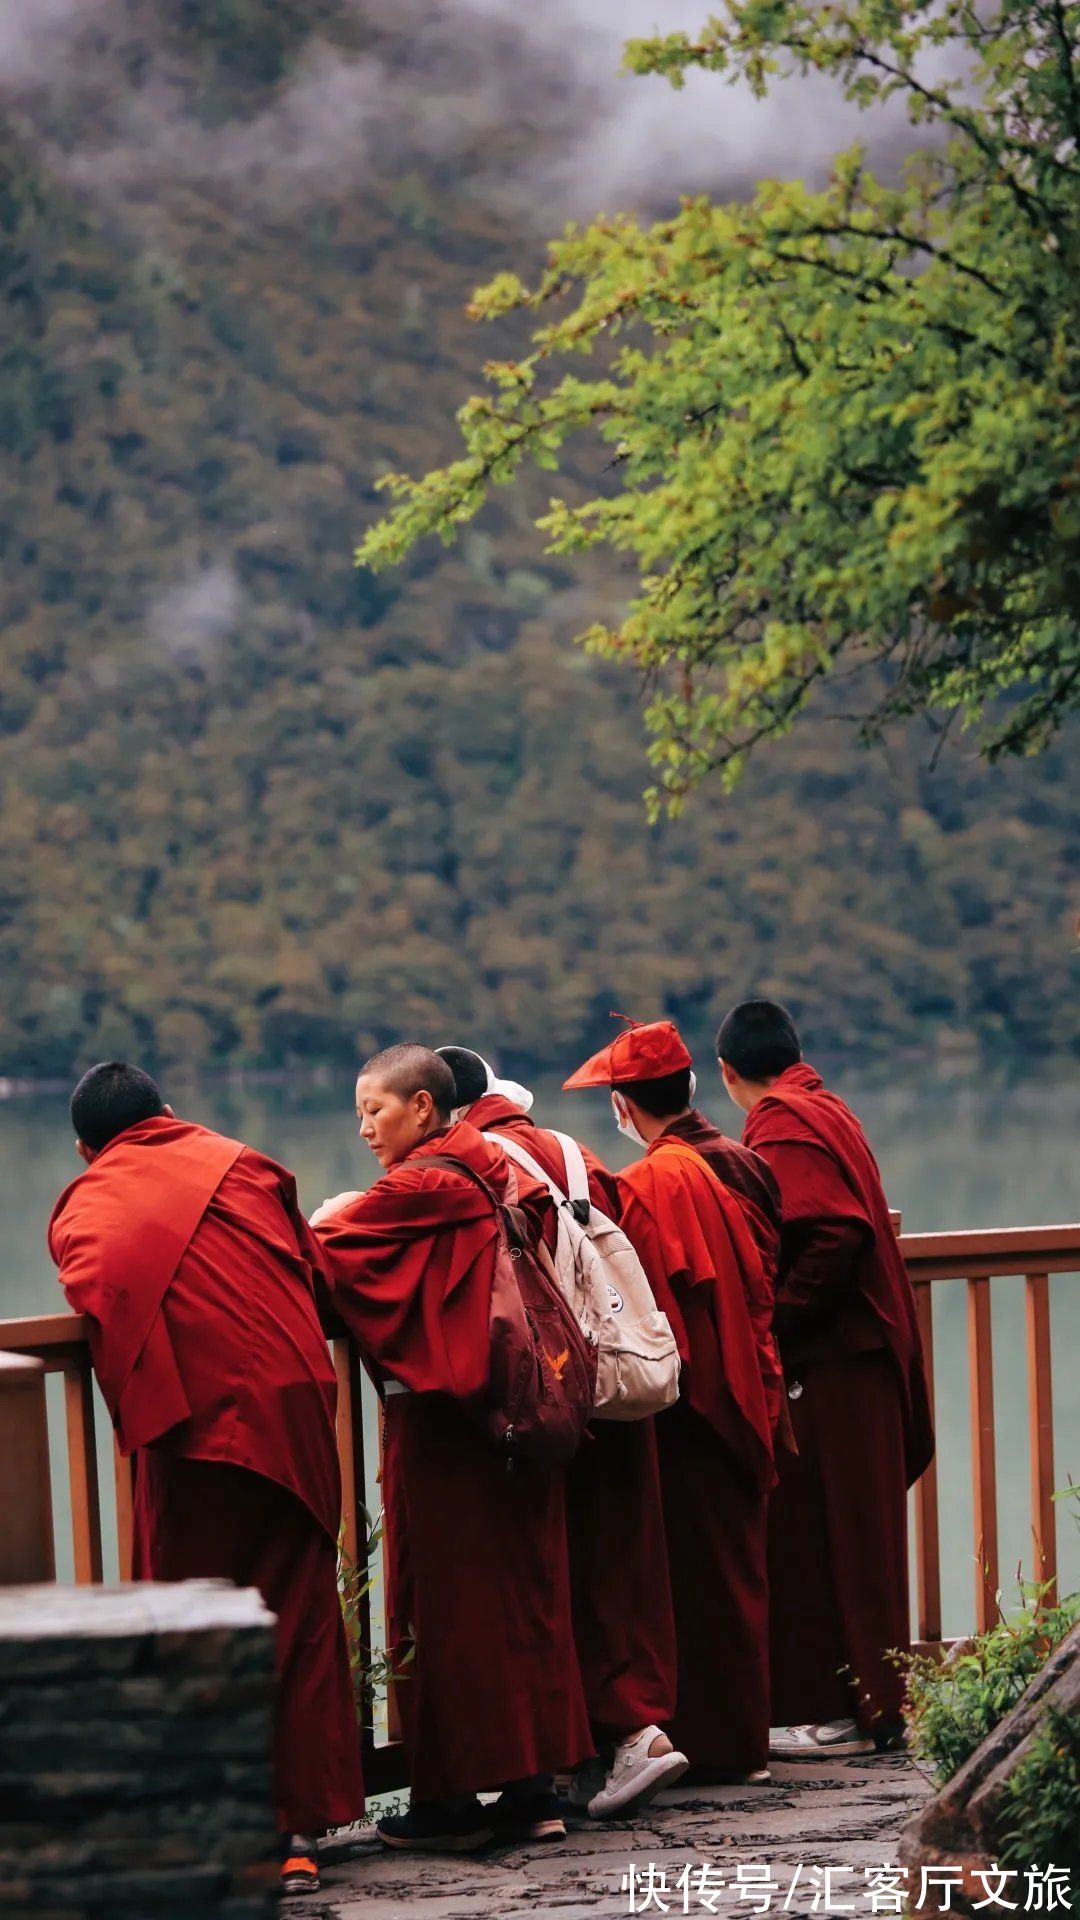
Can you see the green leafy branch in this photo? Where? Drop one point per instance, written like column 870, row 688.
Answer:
column 840, row 426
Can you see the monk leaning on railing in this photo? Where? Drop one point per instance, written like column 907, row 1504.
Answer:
column 196, row 1272
column 478, row 1584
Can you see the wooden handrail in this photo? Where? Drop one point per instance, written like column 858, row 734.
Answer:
column 43, row 1332
column 986, row 1252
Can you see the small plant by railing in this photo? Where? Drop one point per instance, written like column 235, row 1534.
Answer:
column 955, row 1703
column 1042, row 1799
column 373, row 1668
column 952, row 1704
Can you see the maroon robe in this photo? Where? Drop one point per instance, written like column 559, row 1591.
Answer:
column 191, row 1259
column 715, row 1446
column 478, row 1598
column 614, row 1514
column 848, row 1336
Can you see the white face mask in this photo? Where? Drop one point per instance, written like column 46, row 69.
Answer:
column 625, row 1124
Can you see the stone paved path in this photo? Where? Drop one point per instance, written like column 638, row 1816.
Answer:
column 816, row 1814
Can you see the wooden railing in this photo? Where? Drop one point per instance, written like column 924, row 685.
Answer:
column 58, row 1343
column 1031, row 1254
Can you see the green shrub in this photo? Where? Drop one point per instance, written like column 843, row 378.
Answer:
column 1041, row 1818
column 954, row 1704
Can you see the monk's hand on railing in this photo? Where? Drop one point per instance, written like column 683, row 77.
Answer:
column 335, row 1205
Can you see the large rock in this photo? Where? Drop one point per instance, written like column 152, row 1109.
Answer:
column 134, row 1753
column 964, row 1824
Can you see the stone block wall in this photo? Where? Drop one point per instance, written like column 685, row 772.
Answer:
column 134, row 1753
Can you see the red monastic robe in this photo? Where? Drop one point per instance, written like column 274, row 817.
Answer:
column 478, row 1582
column 716, row 1447
column 849, row 1338
column 618, row 1550
column 744, row 1173
column 196, row 1270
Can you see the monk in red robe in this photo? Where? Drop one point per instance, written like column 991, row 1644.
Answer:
column 618, row 1549
column 716, row 1444
column 478, row 1598
column 197, row 1272
column 849, row 1340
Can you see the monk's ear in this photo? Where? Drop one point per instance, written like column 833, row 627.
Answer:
column 85, row 1153
column 168, row 1113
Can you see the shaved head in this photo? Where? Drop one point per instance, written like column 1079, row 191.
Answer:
column 409, row 1069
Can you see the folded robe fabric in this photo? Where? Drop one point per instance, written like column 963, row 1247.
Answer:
column 412, row 1260
column 118, row 1234
column 196, row 1270
column 747, row 1175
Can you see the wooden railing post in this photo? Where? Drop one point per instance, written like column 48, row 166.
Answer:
column 1041, row 1431
column 393, row 1715
column 983, row 1466
column 83, row 1470
column 927, row 1530
column 26, row 1527
column 348, row 1426
column 124, row 1477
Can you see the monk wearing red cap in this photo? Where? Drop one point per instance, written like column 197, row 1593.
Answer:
column 716, row 1445
column 478, row 1598
column 197, row 1273
column 849, row 1340
column 615, row 1519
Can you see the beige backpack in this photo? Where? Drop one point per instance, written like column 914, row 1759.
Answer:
column 604, row 1282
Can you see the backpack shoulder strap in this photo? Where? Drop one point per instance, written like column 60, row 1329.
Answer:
column 577, row 1173
column 514, row 1150
column 505, row 1210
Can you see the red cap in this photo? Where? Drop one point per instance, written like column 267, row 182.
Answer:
column 638, row 1053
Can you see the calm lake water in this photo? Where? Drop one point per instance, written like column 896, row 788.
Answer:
column 953, row 1155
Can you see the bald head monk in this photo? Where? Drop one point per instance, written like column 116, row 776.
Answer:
column 849, row 1341
column 478, row 1600
column 197, row 1272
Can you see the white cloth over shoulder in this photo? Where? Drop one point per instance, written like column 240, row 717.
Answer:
column 509, row 1089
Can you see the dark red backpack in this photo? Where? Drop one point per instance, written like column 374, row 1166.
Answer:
column 542, row 1376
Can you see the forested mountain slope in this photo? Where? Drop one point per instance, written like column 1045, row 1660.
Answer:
column 258, row 806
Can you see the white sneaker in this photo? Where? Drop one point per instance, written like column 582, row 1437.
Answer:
column 831, row 1739
column 635, row 1775
column 586, row 1783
